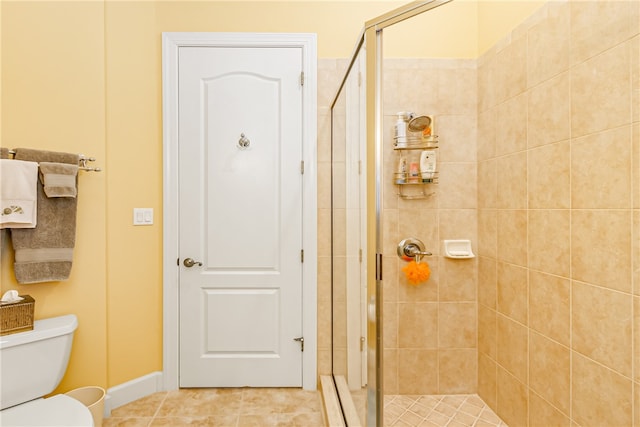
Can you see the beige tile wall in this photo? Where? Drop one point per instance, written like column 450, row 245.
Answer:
column 551, row 204
column 558, row 218
column 430, row 331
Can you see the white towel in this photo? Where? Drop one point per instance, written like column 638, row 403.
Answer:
column 18, row 194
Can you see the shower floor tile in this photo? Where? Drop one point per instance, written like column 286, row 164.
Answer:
column 438, row 411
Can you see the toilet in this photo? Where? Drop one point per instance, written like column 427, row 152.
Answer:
column 32, row 365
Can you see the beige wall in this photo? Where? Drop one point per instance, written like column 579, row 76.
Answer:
column 559, row 218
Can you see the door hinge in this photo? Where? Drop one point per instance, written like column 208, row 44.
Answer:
column 302, row 167
column 301, row 255
column 301, row 78
column 301, row 341
column 362, row 341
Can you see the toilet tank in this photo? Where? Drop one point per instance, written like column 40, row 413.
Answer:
column 33, row 363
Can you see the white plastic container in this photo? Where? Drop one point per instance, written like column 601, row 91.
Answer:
column 428, row 165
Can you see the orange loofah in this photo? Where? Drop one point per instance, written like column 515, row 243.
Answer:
column 417, row 272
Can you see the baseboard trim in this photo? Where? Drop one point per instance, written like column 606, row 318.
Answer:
column 132, row 390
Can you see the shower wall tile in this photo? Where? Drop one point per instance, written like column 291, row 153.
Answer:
column 549, row 111
column 550, row 241
column 512, row 293
column 457, row 186
column 601, row 248
column 420, row 223
column 390, row 218
column 487, row 232
column 635, row 172
column 456, row 91
column 548, row 176
column 542, row 413
column 418, row 325
column 549, row 306
column 549, row 371
column 566, row 353
column 457, row 371
column 600, row 95
column 511, row 125
column 610, row 152
column 390, row 330
column 390, row 371
column 456, row 224
column 636, row 339
column 487, row 331
column 390, row 284
column 635, row 71
column 512, row 181
column 601, row 325
column 487, row 379
column 548, row 45
column 324, row 239
column 487, row 129
column 511, row 72
column 512, row 236
column 488, row 277
column 512, row 399
column 636, row 404
column 417, row 371
column 590, row 381
column 458, row 133
column 487, row 184
column 487, row 81
column 458, row 280
column 324, row 185
column 512, row 347
column 636, row 252
column 457, row 325
column 598, row 25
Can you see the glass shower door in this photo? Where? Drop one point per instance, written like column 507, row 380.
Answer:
column 349, row 258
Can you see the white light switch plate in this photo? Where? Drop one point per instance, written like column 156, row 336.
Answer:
column 142, row 216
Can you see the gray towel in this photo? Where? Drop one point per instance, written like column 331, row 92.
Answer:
column 59, row 179
column 45, row 253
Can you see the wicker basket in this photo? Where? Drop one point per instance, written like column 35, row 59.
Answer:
column 17, row 317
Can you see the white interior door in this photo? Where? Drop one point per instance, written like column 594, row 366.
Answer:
column 240, row 216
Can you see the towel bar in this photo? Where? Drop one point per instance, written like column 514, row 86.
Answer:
column 82, row 162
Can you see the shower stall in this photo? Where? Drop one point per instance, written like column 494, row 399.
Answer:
column 425, row 342
column 524, row 320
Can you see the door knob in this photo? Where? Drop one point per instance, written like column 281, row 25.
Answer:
column 190, row 262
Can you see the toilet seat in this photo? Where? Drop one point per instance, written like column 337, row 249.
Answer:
column 56, row 411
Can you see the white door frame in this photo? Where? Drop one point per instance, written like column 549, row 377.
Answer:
column 171, row 42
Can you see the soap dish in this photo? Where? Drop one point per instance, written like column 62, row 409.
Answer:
column 458, row 249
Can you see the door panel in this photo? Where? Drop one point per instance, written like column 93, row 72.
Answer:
column 240, row 216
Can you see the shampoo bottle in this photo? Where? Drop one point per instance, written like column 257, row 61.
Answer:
column 401, row 173
column 428, row 165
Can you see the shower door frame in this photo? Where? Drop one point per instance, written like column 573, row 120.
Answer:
column 371, row 37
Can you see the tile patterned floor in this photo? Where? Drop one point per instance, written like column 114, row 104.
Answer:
column 229, row 407
column 439, row 411
column 267, row 407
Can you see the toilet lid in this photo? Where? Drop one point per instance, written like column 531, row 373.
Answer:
column 56, row 411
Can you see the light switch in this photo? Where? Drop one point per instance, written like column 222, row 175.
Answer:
column 142, row 216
